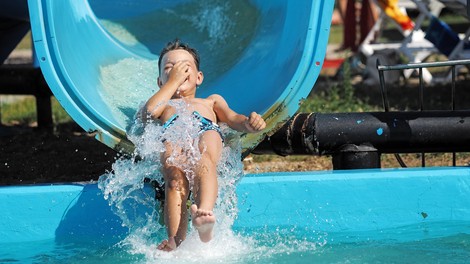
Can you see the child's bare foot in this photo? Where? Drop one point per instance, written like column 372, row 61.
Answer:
column 203, row 221
column 167, row 245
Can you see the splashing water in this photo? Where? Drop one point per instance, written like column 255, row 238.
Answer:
column 125, row 84
column 214, row 22
column 123, row 188
column 139, row 211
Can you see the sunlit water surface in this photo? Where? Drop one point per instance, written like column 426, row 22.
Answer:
column 263, row 247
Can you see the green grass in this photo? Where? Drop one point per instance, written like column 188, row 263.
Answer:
column 336, row 97
column 336, row 34
column 24, row 112
column 25, row 43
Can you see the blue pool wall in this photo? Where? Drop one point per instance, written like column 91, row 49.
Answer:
column 331, row 201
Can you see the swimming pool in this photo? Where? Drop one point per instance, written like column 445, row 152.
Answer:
column 384, row 215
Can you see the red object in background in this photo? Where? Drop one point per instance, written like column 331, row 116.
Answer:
column 332, row 63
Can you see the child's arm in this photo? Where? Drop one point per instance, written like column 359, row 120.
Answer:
column 178, row 73
column 253, row 123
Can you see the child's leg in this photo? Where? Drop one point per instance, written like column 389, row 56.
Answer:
column 175, row 211
column 206, row 185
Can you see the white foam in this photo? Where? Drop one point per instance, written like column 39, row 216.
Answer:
column 123, row 189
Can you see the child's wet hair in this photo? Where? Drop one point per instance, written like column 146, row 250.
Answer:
column 176, row 45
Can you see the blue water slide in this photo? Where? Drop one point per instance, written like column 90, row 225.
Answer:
column 99, row 57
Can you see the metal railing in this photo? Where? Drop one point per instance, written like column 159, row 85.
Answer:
column 419, row 66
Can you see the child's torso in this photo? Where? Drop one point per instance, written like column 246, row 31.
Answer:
column 203, row 106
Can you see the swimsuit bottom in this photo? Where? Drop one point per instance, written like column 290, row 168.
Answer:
column 205, row 124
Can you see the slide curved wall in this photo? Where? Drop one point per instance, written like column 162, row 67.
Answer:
column 99, row 57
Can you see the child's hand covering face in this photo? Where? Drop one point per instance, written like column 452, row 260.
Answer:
column 179, row 69
column 177, row 72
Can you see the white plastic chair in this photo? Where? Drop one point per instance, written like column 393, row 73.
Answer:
column 413, row 45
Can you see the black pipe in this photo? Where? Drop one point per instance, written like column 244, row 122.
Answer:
column 356, row 157
column 388, row 132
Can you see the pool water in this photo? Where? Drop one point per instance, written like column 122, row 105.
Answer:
column 451, row 249
column 430, row 243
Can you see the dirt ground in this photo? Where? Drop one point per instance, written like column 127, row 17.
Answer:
column 31, row 156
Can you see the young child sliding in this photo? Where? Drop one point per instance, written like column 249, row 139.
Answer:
column 179, row 76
